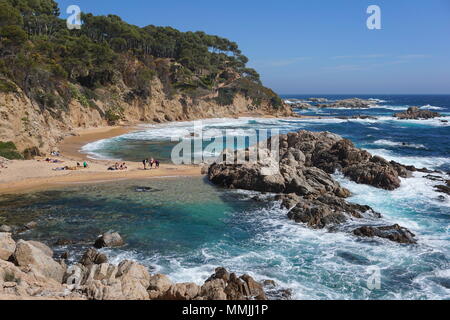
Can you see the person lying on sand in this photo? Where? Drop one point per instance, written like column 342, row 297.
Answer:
column 53, row 160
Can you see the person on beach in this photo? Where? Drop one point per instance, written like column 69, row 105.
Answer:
column 85, row 165
column 144, row 162
column 156, row 164
column 152, row 161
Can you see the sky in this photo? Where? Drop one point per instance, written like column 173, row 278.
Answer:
column 320, row 46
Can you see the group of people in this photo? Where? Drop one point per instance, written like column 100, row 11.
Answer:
column 118, row 166
column 150, row 162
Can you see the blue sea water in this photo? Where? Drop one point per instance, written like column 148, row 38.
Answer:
column 185, row 227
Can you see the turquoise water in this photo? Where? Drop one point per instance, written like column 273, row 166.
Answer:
column 185, row 227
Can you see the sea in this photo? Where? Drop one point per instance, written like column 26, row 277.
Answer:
column 185, row 227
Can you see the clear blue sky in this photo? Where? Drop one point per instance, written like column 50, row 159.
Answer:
column 320, row 46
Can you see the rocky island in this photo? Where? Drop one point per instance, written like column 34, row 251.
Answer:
column 415, row 113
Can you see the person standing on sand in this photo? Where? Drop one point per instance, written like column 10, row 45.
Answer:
column 85, row 164
column 144, row 162
column 156, row 164
column 152, row 161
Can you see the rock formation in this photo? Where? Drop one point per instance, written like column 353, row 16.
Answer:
column 109, row 239
column 28, row 271
column 298, row 169
column 354, row 103
column 393, row 233
column 414, row 113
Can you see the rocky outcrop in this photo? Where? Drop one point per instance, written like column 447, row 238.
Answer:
column 415, row 113
column 109, row 239
column 354, row 103
column 28, row 271
column 92, row 256
column 393, row 233
column 297, row 167
column 325, row 210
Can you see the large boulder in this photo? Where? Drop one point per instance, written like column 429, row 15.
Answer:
column 127, row 281
column 109, row 239
column 7, row 245
column 394, row 233
column 415, row 113
column 37, row 258
column 92, row 256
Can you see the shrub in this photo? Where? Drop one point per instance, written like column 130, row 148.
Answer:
column 8, row 150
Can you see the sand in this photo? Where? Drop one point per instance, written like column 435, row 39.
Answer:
column 38, row 174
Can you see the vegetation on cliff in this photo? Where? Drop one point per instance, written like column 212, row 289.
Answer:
column 54, row 65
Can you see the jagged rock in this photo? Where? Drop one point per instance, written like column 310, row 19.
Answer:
column 326, row 210
column 417, row 114
column 7, row 245
column 92, row 256
column 394, row 233
column 27, row 254
column 158, row 286
column 128, row 281
column 234, row 288
column 182, row 291
column 109, row 239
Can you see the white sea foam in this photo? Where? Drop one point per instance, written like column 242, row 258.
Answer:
column 430, row 107
column 390, row 143
column 419, row 162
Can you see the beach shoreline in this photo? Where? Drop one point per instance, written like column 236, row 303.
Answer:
column 22, row 176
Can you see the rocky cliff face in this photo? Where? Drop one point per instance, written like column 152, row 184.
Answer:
column 24, row 122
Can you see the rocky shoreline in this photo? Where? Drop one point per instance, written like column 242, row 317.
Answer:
column 301, row 178
column 28, row 271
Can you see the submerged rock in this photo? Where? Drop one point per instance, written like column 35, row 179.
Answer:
column 109, row 239
column 394, row 233
column 414, row 113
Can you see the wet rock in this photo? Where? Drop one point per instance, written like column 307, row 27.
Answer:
column 63, row 242
column 223, row 284
column 325, row 210
column 7, row 245
column 92, row 256
column 109, row 239
column 394, row 233
column 443, row 188
column 416, row 114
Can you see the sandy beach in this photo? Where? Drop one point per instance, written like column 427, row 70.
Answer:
column 31, row 175
column 38, row 174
